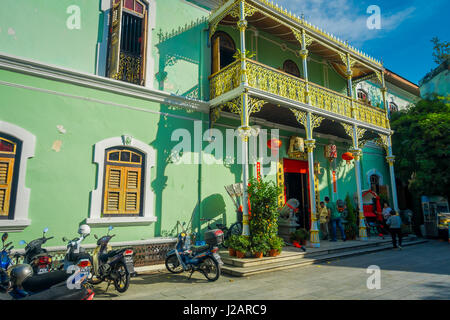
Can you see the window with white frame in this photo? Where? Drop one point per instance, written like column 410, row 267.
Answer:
column 123, row 195
column 16, row 146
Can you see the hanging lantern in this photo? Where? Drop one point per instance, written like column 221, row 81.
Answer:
column 330, row 152
column 274, row 145
column 348, row 156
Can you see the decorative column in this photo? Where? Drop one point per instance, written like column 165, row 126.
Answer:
column 304, row 41
column 244, row 130
column 310, row 121
column 357, row 153
column 391, row 159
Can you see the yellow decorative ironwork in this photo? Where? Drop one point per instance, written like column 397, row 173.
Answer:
column 234, row 105
column 382, row 141
column 129, row 68
column 280, row 182
column 301, row 116
column 225, row 80
column 359, row 133
column 255, row 105
column 249, row 10
column 369, row 114
column 284, row 85
column 215, row 22
column 316, row 121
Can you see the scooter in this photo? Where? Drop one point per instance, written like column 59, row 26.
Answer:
column 36, row 256
column 76, row 255
column 204, row 259
column 112, row 265
column 21, row 284
column 5, row 260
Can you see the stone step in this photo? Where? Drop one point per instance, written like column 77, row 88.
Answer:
column 301, row 261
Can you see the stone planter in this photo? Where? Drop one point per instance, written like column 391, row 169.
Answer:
column 240, row 255
column 231, row 252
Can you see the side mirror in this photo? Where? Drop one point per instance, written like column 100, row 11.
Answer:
column 64, row 239
column 44, row 231
column 4, row 236
column 110, row 228
column 22, row 242
column 95, row 236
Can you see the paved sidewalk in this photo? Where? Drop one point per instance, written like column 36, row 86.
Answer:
column 416, row 272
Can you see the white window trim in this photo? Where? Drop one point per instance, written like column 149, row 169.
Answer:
column 374, row 172
column 22, row 204
column 95, row 214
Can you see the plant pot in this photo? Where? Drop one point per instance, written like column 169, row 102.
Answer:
column 232, row 252
column 259, row 255
column 240, row 255
column 274, row 253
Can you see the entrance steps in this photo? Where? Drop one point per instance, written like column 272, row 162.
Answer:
column 293, row 257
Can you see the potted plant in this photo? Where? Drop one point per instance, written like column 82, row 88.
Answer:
column 230, row 243
column 276, row 244
column 301, row 236
column 242, row 246
column 260, row 246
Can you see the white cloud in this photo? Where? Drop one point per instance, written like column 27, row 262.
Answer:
column 346, row 18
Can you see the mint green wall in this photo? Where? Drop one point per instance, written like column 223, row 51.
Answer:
column 36, row 29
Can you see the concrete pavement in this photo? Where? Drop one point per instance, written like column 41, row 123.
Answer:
column 418, row 272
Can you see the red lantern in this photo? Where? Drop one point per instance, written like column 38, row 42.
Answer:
column 348, row 156
column 274, row 145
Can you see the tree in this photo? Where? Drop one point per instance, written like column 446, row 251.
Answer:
column 441, row 50
column 422, row 146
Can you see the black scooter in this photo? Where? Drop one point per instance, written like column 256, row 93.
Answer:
column 36, row 256
column 112, row 265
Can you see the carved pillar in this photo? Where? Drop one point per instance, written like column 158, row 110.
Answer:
column 391, row 159
column 356, row 134
column 310, row 121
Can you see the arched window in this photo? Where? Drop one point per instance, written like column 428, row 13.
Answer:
column 223, row 50
column 291, row 67
column 393, row 107
column 362, row 95
column 123, row 187
column 9, row 168
column 123, row 195
column 128, row 41
column 375, row 183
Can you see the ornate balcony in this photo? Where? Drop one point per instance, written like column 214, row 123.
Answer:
column 284, row 85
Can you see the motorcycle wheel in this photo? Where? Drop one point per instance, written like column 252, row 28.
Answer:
column 122, row 279
column 210, row 269
column 173, row 265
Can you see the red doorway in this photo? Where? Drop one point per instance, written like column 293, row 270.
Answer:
column 296, row 185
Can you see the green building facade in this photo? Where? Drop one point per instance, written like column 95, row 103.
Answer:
column 90, row 127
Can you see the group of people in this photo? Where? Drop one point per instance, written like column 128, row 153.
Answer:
column 329, row 212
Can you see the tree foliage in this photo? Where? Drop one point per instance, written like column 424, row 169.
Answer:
column 441, row 50
column 422, row 146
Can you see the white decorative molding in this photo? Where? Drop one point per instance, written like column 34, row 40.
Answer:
column 95, row 214
column 28, row 140
column 374, row 172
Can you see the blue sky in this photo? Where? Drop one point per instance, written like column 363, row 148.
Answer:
column 403, row 42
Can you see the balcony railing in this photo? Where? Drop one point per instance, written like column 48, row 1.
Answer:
column 285, row 85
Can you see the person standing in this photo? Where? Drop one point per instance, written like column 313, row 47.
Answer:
column 386, row 211
column 324, row 218
column 395, row 227
column 335, row 217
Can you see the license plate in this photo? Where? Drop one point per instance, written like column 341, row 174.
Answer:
column 128, row 259
column 218, row 258
column 85, row 270
column 42, row 270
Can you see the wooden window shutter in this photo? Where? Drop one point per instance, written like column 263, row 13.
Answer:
column 123, row 185
column 115, row 34
column 6, row 175
column 216, row 55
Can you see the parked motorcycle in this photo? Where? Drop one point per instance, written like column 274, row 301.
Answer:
column 36, row 256
column 21, row 284
column 5, row 260
column 204, row 259
column 112, row 265
column 76, row 255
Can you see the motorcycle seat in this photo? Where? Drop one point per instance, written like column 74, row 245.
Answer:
column 41, row 282
column 197, row 249
column 105, row 256
column 78, row 256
